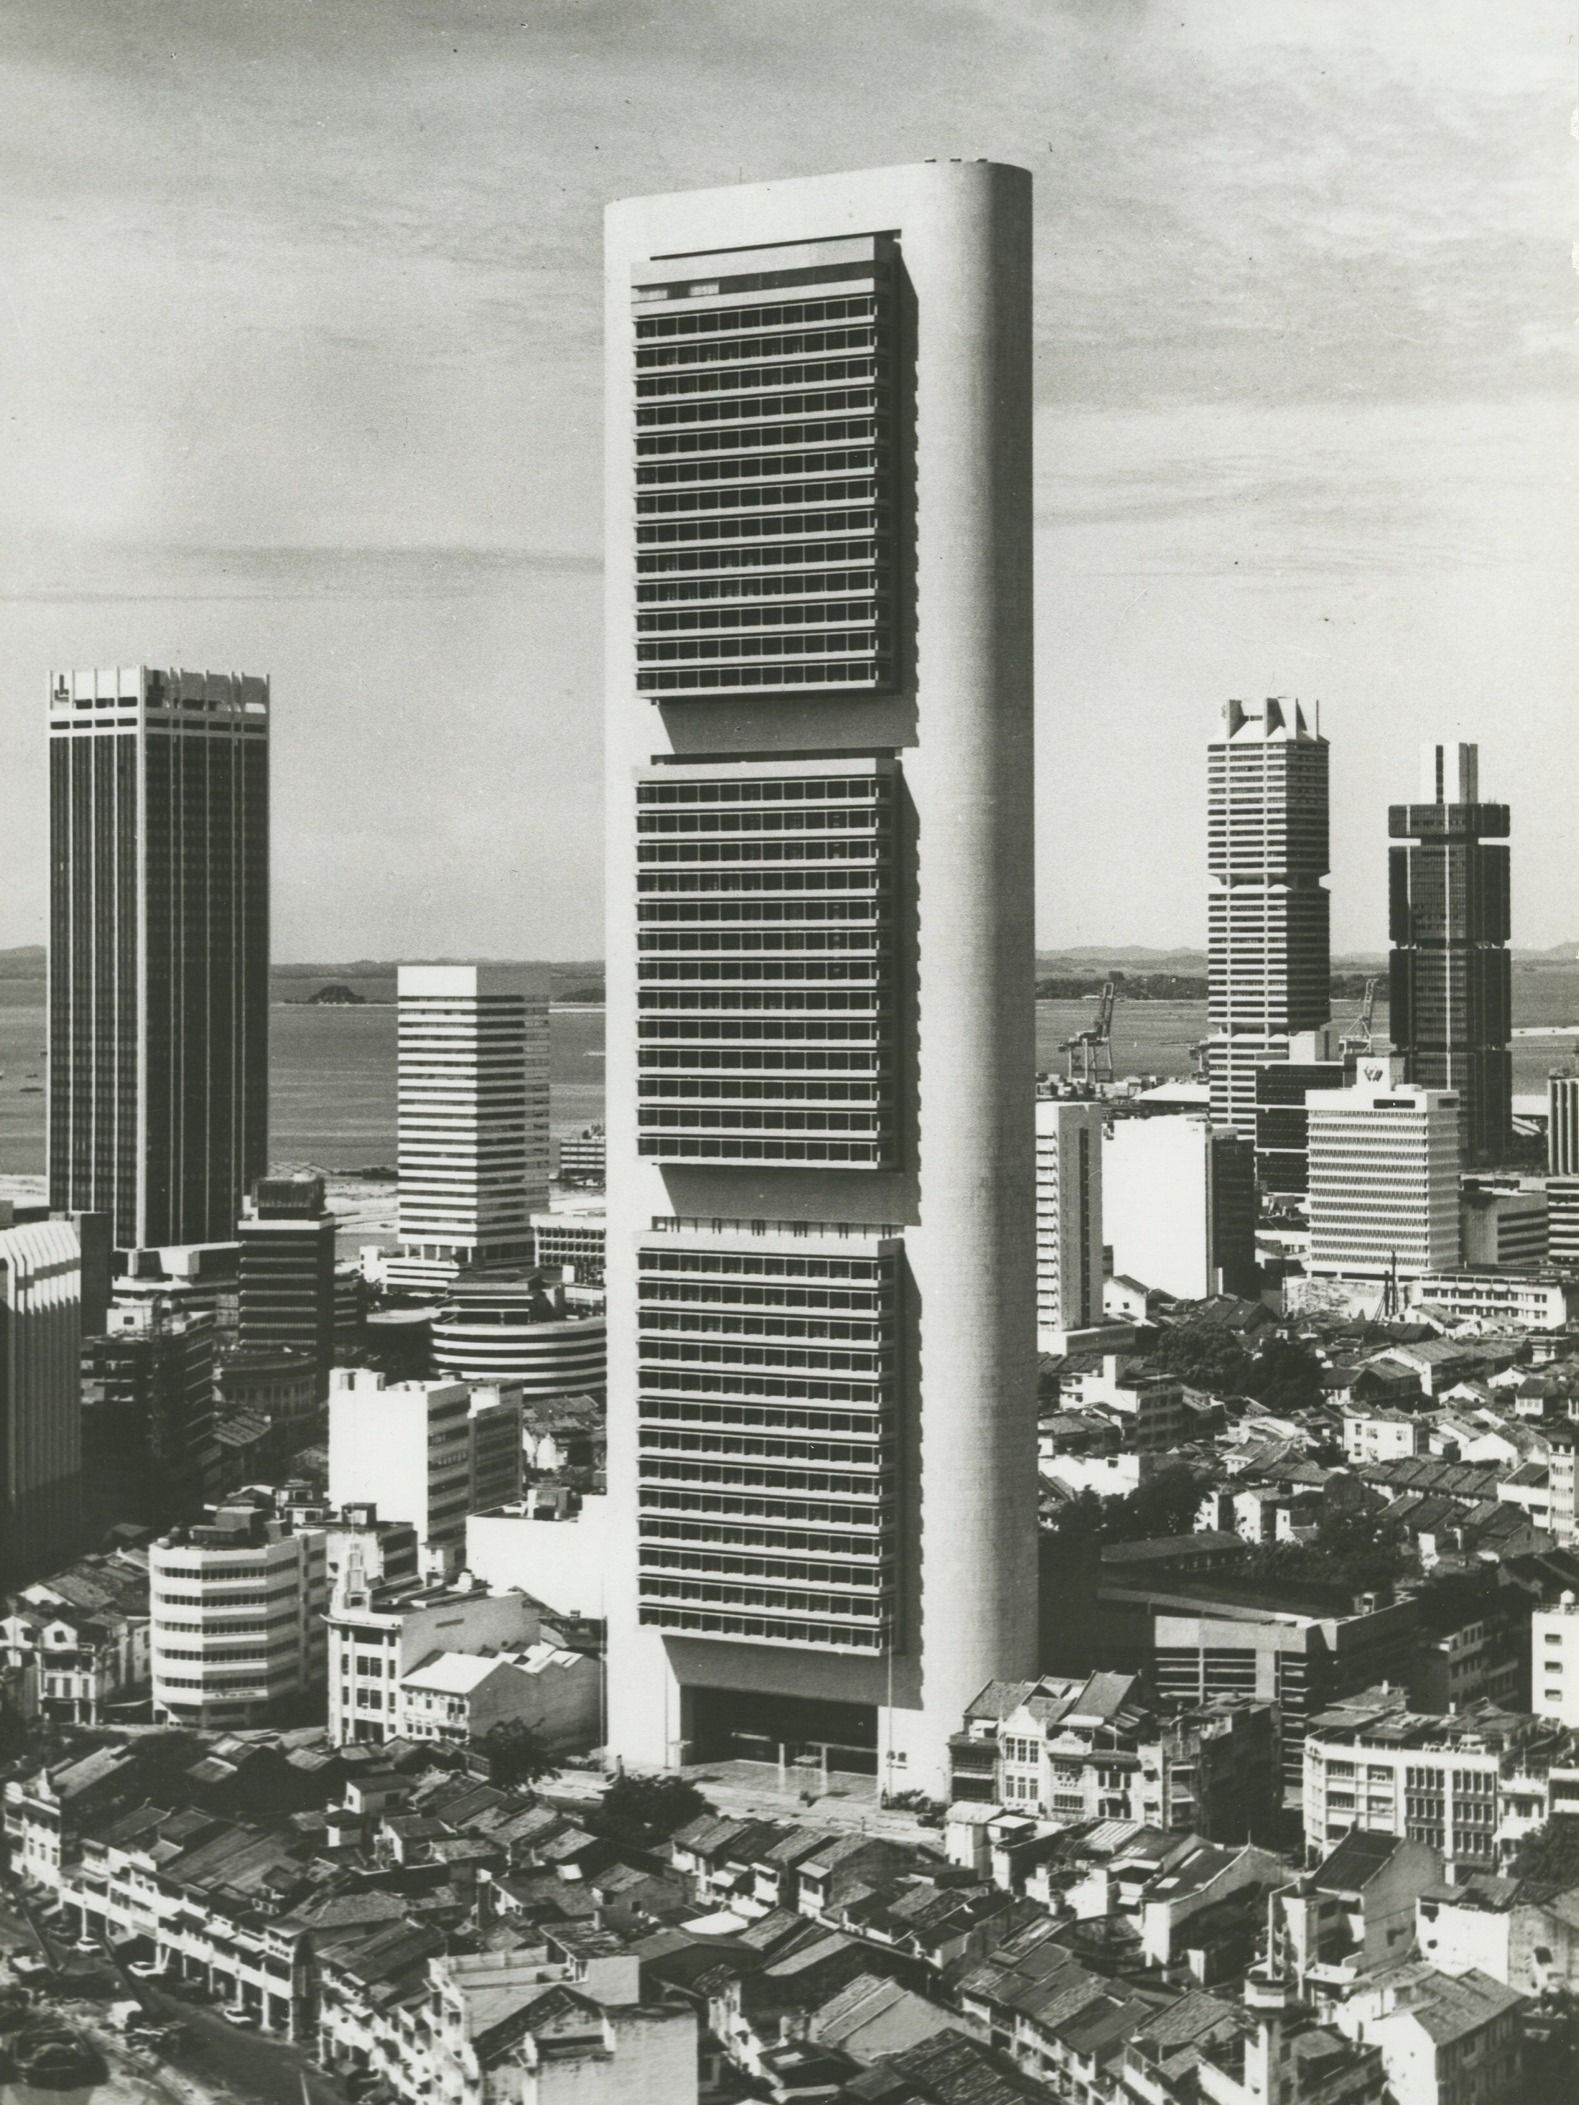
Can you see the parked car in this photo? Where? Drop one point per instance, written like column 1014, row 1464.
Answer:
column 145, row 1969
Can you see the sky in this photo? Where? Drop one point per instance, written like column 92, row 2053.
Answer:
column 300, row 374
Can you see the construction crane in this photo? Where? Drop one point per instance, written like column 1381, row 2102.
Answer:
column 1357, row 1041
column 1094, row 1044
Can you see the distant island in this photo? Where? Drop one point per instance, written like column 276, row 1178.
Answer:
column 336, row 996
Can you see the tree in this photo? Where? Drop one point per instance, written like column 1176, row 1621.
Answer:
column 645, row 1809
column 1164, row 1504
column 1551, row 1852
column 515, row 1754
column 1284, row 1376
column 1206, row 1354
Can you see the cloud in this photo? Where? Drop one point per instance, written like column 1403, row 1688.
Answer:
column 147, row 573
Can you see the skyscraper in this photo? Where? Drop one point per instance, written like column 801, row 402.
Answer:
column 1268, row 942
column 1068, row 1219
column 821, row 1207
column 1451, row 978
column 473, row 1113
column 40, row 1413
column 286, row 1286
column 1383, row 1177
column 158, row 949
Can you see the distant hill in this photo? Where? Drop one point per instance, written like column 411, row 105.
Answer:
column 26, row 963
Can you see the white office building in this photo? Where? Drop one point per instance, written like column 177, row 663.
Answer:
column 1159, row 1204
column 1069, row 1269
column 1268, row 945
column 425, row 1451
column 821, row 1059
column 1384, row 1161
column 235, row 1618
column 473, row 1119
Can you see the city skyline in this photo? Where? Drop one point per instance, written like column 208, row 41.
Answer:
column 1303, row 420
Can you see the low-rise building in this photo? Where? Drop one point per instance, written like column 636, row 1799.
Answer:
column 1071, row 1750
column 1353, row 1913
column 1534, row 1300
column 1445, row 2039
column 1521, row 1932
column 379, row 1634
column 1372, row 1433
column 462, row 1696
column 1471, row 1785
column 75, row 1645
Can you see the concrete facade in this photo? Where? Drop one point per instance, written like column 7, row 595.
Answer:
column 851, row 1591
column 473, row 1116
column 1069, row 1269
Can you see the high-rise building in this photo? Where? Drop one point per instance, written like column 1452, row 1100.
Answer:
column 1562, row 1124
column 821, row 1258
column 1268, row 940
column 1451, row 983
column 1069, row 1269
column 425, row 1451
column 158, row 949
column 473, row 1117
column 148, row 1452
column 1383, row 1178
column 287, row 1286
column 1178, row 1205
column 1282, row 1122
column 40, row 1411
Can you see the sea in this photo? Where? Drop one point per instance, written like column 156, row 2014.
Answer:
column 332, row 1099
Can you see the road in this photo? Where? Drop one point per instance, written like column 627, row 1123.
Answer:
column 214, row 2061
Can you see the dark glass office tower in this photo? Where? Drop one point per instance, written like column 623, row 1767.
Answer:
column 1451, row 975
column 159, row 949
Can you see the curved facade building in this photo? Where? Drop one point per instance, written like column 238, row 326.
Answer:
column 516, row 1331
column 820, row 1066
column 235, row 1619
